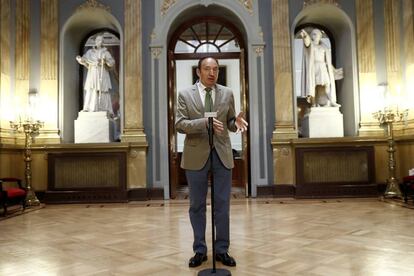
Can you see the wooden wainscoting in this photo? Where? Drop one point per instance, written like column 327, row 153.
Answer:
column 335, row 172
column 86, row 177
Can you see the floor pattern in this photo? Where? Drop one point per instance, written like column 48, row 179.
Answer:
column 269, row 237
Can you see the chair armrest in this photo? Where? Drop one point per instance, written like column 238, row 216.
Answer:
column 12, row 179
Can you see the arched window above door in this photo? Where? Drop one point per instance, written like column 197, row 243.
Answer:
column 207, row 37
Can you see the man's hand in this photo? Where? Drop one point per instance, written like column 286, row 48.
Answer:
column 217, row 125
column 241, row 123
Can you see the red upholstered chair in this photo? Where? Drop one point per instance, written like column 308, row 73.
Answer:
column 11, row 193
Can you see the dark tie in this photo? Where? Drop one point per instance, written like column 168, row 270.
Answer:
column 208, row 101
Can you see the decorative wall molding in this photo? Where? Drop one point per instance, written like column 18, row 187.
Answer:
column 282, row 151
column 308, row 3
column 248, row 5
column 259, row 50
column 156, row 52
column 93, row 4
column 166, row 5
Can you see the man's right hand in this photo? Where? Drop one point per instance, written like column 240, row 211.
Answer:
column 217, row 125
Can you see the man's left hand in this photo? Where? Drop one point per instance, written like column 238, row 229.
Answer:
column 241, row 123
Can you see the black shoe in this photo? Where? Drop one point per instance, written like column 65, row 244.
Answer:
column 197, row 260
column 226, row 259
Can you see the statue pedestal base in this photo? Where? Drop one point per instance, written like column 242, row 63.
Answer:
column 94, row 127
column 323, row 122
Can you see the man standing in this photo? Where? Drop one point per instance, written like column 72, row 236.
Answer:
column 208, row 96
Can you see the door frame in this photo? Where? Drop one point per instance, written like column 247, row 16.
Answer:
column 172, row 94
column 260, row 119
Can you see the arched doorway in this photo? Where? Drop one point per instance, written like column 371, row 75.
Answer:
column 193, row 39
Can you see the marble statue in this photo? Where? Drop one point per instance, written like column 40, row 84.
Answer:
column 98, row 83
column 318, row 73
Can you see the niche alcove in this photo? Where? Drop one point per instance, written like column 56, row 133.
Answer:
column 84, row 22
column 341, row 32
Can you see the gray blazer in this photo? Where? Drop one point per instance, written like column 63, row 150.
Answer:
column 190, row 121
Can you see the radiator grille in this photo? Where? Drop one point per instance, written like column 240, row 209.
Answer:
column 335, row 166
column 87, row 171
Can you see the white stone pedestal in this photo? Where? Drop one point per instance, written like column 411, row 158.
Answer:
column 94, row 127
column 323, row 122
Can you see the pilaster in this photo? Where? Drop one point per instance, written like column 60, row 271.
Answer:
column 49, row 35
column 133, row 122
column 285, row 125
column 5, row 78
column 22, row 56
column 367, row 70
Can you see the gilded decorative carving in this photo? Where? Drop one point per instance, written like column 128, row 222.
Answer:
column 248, row 5
column 166, row 5
column 285, row 151
column 133, row 154
column 153, row 35
column 93, row 4
column 156, row 52
column 259, row 50
column 308, row 3
column 281, row 152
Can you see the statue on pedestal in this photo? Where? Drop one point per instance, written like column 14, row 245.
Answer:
column 98, row 82
column 318, row 73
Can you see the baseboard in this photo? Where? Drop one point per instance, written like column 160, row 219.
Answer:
column 277, row 191
column 93, row 196
column 320, row 191
column 141, row 194
column 101, row 196
column 334, row 190
column 40, row 196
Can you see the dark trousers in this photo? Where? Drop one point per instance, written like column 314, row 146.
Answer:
column 198, row 187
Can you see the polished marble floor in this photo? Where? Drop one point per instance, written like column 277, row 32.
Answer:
column 269, row 237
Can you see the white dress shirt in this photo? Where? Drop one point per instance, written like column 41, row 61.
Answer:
column 202, row 91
